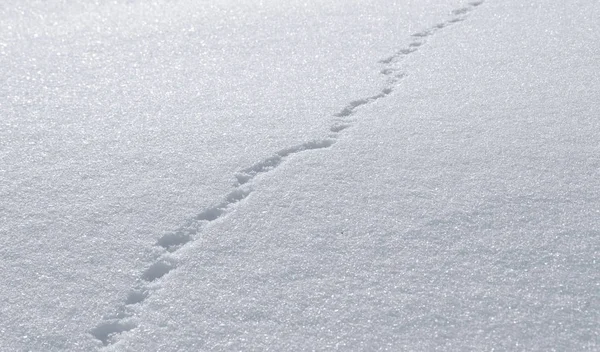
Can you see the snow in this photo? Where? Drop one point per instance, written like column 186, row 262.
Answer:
column 179, row 176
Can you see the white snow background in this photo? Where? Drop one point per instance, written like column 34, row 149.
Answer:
column 180, row 175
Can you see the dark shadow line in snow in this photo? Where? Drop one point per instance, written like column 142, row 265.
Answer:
column 112, row 326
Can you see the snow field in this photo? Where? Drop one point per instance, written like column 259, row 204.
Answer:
column 300, row 176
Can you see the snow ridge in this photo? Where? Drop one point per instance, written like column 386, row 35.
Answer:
column 125, row 318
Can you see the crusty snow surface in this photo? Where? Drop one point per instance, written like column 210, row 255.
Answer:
column 182, row 175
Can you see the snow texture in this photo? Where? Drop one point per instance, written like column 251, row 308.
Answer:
column 390, row 175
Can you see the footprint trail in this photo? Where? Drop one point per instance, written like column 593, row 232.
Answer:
column 392, row 66
column 125, row 316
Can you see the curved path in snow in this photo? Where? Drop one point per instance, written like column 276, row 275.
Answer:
column 123, row 319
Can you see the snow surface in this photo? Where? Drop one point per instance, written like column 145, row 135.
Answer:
column 300, row 175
